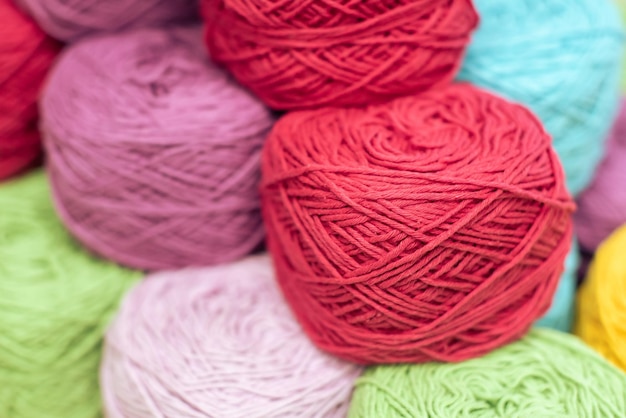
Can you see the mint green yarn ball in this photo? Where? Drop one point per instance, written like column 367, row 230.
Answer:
column 547, row 374
column 560, row 316
column 562, row 59
column 55, row 303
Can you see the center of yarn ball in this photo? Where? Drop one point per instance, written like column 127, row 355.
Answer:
column 431, row 227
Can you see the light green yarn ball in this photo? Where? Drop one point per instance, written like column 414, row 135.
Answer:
column 55, row 303
column 547, row 374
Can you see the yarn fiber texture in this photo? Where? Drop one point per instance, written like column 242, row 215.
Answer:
column 561, row 58
column 313, row 53
column 55, row 303
column 547, row 374
column 432, row 227
column 154, row 153
column 26, row 53
column 560, row 316
column 218, row 342
column 602, row 206
column 70, row 20
column 601, row 319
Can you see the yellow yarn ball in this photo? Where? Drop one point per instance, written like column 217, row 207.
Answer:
column 601, row 316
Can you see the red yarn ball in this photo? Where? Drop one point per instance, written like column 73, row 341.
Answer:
column 311, row 53
column 26, row 53
column 429, row 228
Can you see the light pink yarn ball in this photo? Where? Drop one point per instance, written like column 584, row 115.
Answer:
column 218, row 342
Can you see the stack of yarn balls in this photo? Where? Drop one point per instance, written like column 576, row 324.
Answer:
column 416, row 201
column 26, row 53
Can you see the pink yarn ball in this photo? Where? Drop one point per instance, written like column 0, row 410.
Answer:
column 153, row 152
column 602, row 206
column 217, row 342
column 69, row 20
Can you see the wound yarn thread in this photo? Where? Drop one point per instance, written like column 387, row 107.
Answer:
column 71, row 20
column 218, row 342
column 602, row 206
column 154, row 153
column 55, row 303
column 313, row 53
column 561, row 313
column 562, row 59
column 601, row 311
column 431, row 227
column 26, row 53
column 546, row 374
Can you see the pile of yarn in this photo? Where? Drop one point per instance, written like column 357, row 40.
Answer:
column 70, row 20
column 55, row 303
column 156, row 173
column 546, row 374
column 602, row 305
column 218, row 342
column 561, row 58
column 26, row 53
column 602, row 206
column 430, row 227
column 313, row 53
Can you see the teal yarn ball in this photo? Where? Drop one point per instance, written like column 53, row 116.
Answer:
column 56, row 300
column 547, row 374
column 562, row 59
column 561, row 313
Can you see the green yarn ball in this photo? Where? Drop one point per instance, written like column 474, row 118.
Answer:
column 547, row 374
column 55, row 302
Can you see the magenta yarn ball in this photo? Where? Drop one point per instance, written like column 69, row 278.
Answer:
column 602, row 206
column 217, row 342
column 153, row 152
column 70, row 20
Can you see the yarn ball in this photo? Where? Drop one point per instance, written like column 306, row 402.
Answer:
column 562, row 58
column 313, row 53
column 432, row 227
column 561, row 313
column 154, row 153
column 70, row 20
column 546, row 374
column 26, row 53
column 601, row 319
column 55, row 303
column 602, row 206
column 218, row 342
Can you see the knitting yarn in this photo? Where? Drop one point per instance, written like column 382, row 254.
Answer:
column 154, row 156
column 602, row 206
column 601, row 315
column 312, row 53
column 546, row 374
column 70, row 20
column 55, row 302
column 25, row 56
column 218, row 342
column 562, row 58
column 561, row 313
column 429, row 227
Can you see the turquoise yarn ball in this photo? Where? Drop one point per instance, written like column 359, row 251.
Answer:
column 562, row 59
column 561, row 313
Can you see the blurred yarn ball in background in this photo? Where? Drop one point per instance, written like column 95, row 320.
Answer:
column 26, row 54
column 70, row 20
column 154, row 153
column 562, row 58
column 55, row 303
column 218, row 342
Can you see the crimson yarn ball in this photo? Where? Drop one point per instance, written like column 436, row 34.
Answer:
column 26, row 54
column 432, row 227
column 312, row 53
